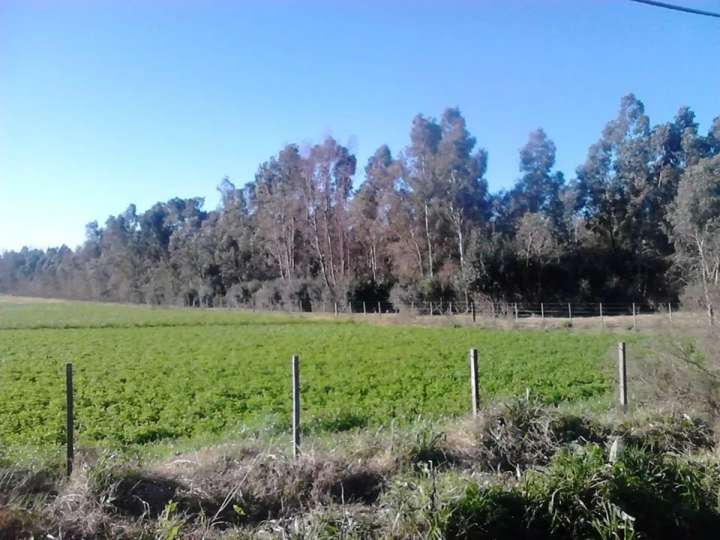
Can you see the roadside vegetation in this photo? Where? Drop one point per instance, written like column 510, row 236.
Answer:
column 520, row 470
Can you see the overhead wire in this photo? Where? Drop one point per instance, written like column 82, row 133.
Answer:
column 678, row 8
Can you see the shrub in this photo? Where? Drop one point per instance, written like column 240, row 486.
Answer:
column 489, row 513
column 516, row 435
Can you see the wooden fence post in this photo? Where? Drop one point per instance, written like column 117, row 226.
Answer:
column 336, row 309
column 472, row 306
column 450, row 309
column 634, row 317
column 570, row 312
column 296, row 405
column 379, row 309
column 70, row 420
column 364, row 308
column 602, row 317
column 670, row 312
column 542, row 312
column 516, row 311
column 622, row 377
column 474, row 395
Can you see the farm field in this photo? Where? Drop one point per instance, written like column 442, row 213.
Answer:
column 145, row 375
column 183, row 430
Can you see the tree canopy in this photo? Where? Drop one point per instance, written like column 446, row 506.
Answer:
column 639, row 220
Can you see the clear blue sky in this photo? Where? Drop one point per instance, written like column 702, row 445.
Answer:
column 107, row 103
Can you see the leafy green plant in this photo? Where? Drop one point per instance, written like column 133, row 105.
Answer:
column 169, row 524
column 144, row 376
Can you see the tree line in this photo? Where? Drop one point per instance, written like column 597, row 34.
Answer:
column 639, row 220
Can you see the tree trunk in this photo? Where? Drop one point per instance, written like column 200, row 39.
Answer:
column 318, row 250
column 418, row 252
column 429, row 242
column 704, row 276
column 457, row 218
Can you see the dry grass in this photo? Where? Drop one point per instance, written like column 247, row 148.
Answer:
column 655, row 323
column 5, row 299
column 367, row 484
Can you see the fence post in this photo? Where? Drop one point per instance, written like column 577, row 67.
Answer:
column 379, row 309
column 474, row 396
column 450, row 309
column 364, row 308
column 472, row 307
column 336, row 310
column 634, row 317
column 70, row 421
column 622, row 376
column 542, row 312
column 670, row 312
column 296, row 405
column 570, row 312
column 516, row 311
column 602, row 317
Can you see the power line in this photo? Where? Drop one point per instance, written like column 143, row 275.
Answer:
column 678, row 8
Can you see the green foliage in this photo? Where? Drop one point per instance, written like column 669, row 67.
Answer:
column 580, row 495
column 145, row 375
column 169, row 524
column 422, row 218
column 489, row 513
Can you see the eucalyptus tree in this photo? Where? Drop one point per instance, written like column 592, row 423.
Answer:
column 695, row 217
column 421, row 219
column 237, row 252
column 613, row 179
column 372, row 208
column 327, row 184
column 460, row 169
column 423, row 183
column 538, row 242
column 539, row 188
column 280, row 208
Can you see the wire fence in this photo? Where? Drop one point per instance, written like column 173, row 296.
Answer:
column 516, row 310
column 297, row 389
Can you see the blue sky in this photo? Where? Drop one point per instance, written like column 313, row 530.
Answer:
column 107, row 103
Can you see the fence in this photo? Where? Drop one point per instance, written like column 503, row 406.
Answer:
column 494, row 309
column 474, row 409
column 600, row 314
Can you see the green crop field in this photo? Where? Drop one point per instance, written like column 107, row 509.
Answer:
column 144, row 375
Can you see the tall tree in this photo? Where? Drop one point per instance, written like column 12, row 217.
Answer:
column 613, row 180
column 372, row 206
column 327, row 183
column 696, row 220
column 421, row 176
column 460, row 171
column 280, row 209
column 538, row 189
